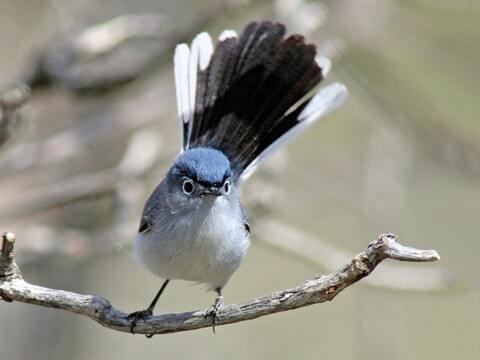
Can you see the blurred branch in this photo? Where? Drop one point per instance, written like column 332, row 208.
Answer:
column 104, row 55
column 99, row 309
column 62, row 192
column 97, row 127
column 115, row 52
column 106, row 37
column 10, row 101
column 125, row 181
column 141, row 155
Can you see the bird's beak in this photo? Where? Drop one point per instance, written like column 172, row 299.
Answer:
column 213, row 191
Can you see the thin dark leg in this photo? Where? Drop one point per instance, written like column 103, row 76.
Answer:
column 155, row 299
column 212, row 312
column 142, row 314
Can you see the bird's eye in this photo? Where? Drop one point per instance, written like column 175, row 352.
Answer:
column 226, row 187
column 187, row 187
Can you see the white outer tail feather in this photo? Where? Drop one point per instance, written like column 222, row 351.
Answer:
column 187, row 62
column 180, row 61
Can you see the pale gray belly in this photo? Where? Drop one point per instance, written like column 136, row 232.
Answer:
column 207, row 250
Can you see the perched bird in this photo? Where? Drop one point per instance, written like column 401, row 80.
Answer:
column 238, row 102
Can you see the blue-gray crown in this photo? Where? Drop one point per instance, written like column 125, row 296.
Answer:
column 203, row 165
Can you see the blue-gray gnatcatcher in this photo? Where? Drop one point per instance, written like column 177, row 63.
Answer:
column 237, row 104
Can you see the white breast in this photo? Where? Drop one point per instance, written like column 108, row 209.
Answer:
column 205, row 247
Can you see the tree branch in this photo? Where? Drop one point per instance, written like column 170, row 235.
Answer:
column 99, row 309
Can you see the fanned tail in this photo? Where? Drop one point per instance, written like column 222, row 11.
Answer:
column 251, row 94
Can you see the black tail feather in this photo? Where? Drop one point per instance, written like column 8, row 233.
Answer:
column 249, row 85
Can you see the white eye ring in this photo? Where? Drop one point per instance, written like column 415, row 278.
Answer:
column 226, row 187
column 188, row 187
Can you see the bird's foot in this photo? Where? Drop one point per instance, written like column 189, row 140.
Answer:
column 213, row 310
column 138, row 315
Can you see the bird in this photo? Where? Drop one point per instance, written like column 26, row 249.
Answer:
column 238, row 102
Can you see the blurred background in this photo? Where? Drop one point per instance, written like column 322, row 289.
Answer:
column 82, row 152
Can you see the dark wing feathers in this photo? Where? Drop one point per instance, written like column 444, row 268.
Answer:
column 244, row 95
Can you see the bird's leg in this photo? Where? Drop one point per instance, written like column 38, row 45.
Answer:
column 143, row 314
column 213, row 310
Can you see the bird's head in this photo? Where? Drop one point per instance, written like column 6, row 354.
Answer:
column 200, row 173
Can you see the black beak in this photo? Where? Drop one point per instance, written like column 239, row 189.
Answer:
column 213, row 191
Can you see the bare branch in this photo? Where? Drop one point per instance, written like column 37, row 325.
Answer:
column 99, row 309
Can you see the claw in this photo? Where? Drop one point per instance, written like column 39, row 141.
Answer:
column 144, row 314
column 138, row 315
column 213, row 310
